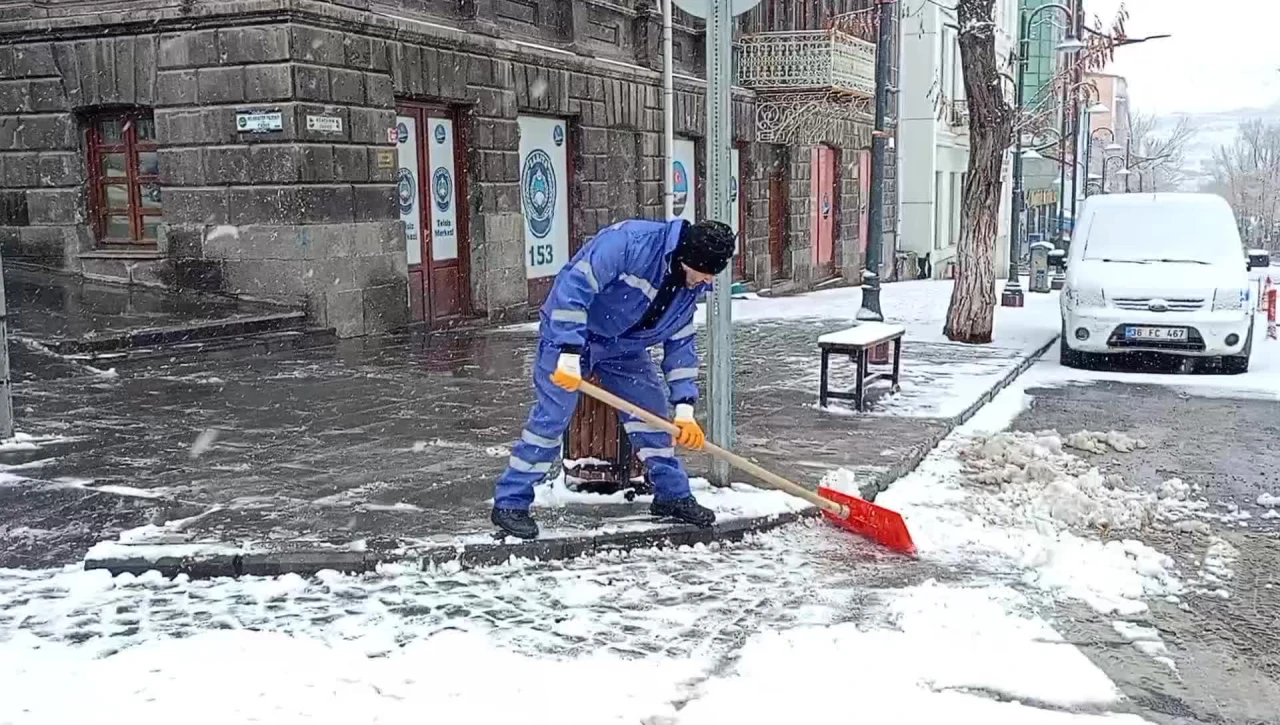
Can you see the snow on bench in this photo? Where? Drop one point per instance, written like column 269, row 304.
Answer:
column 862, row 335
column 857, row 342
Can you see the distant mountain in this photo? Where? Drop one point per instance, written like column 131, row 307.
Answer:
column 1212, row 130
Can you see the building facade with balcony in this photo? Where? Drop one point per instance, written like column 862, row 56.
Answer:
column 933, row 134
column 380, row 162
column 1108, row 127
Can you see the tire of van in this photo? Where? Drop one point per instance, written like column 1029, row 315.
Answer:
column 1239, row 364
column 1068, row 357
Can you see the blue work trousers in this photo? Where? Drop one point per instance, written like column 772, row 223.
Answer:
column 632, row 376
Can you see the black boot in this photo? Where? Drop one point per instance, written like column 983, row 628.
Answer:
column 516, row 522
column 686, row 510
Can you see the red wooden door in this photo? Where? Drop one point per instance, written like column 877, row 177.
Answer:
column 823, row 195
column 864, row 198
column 777, row 220
column 431, row 189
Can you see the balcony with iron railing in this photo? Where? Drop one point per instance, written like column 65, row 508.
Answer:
column 958, row 114
column 807, row 60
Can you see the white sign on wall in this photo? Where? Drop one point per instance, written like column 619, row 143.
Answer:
column 544, row 194
column 444, row 190
column 259, row 121
column 735, row 199
column 684, row 202
column 407, row 186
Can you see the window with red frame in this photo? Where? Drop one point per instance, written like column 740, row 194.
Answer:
column 124, row 170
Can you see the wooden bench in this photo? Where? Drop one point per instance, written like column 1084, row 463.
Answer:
column 857, row 342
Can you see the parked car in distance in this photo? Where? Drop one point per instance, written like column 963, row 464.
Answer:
column 1259, row 259
column 1161, row 272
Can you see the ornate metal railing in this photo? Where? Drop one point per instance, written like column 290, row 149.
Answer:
column 807, row 60
column 958, row 113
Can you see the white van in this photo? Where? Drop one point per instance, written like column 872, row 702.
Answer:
column 1157, row 272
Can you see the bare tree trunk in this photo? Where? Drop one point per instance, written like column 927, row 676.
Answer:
column 973, row 299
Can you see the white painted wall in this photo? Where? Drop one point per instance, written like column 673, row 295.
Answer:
column 931, row 71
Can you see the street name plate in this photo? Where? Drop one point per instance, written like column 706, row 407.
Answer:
column 259, row 121
column 324, row 124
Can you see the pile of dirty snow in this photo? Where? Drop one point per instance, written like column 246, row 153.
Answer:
column 1036, row 480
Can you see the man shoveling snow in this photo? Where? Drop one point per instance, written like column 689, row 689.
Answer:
column 634, row 285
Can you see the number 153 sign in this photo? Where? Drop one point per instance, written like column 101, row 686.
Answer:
column 544, row 194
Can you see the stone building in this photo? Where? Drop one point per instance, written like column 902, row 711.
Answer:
column 380, row 162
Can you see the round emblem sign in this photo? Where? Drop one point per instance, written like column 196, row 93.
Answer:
column 442, row 188
column 406, row 190
column 733, row 190
column 826, row 204
column 402, row 133
column 557, row 135
column 538, row 182
column 440, row 133
column 679, row 188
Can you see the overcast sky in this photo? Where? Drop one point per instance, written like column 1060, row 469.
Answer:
column 1223, row 54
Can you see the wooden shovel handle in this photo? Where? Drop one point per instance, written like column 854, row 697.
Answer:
column 715, row 451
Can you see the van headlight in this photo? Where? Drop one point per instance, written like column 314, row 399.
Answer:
column 1230, row 299
column 1085, row 297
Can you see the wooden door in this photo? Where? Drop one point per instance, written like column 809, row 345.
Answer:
column 431, row 189
column 823, row 200
column 738, row 185
column 778, row 203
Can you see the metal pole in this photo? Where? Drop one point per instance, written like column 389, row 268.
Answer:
column 1012, row 295
column 1103, row 185
column 1062, row 157
column 1128, row 162
column 1077, row 25
column 1088, row 151
column 6, row 385
column 668, row 115
column 870, row 310
column 719, row 158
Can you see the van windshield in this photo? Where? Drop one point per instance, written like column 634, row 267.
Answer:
column 1192, row 233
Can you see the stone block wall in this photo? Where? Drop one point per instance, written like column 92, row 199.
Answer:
column 303, row 214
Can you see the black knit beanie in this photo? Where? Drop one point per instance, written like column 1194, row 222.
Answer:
column 706, row 246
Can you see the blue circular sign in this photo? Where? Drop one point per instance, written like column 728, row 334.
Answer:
column 406, row 190
column 402, row 132
column 442, row 188
column 440, row 133
column 733, row 189
column 826, row 204
column 557, row 135
column 538, row 186
column 679, row 188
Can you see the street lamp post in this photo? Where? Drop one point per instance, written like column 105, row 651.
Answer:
column 1088, row 154
column 1124, row 170
column 1087, row 112
column 1012, row 294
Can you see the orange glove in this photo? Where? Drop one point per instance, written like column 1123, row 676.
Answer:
column 568, row 372
column 691, row 435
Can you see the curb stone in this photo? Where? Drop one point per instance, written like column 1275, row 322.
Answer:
column 306, row 562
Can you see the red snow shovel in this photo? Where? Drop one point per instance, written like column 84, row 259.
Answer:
column 861, row 517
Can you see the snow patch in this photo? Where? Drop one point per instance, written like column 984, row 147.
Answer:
column 738, row 500
column 947, row 654
column 1020, row 500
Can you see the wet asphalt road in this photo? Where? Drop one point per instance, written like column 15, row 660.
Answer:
column 1227, row 650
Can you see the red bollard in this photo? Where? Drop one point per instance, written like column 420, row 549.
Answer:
column 1271, row 311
